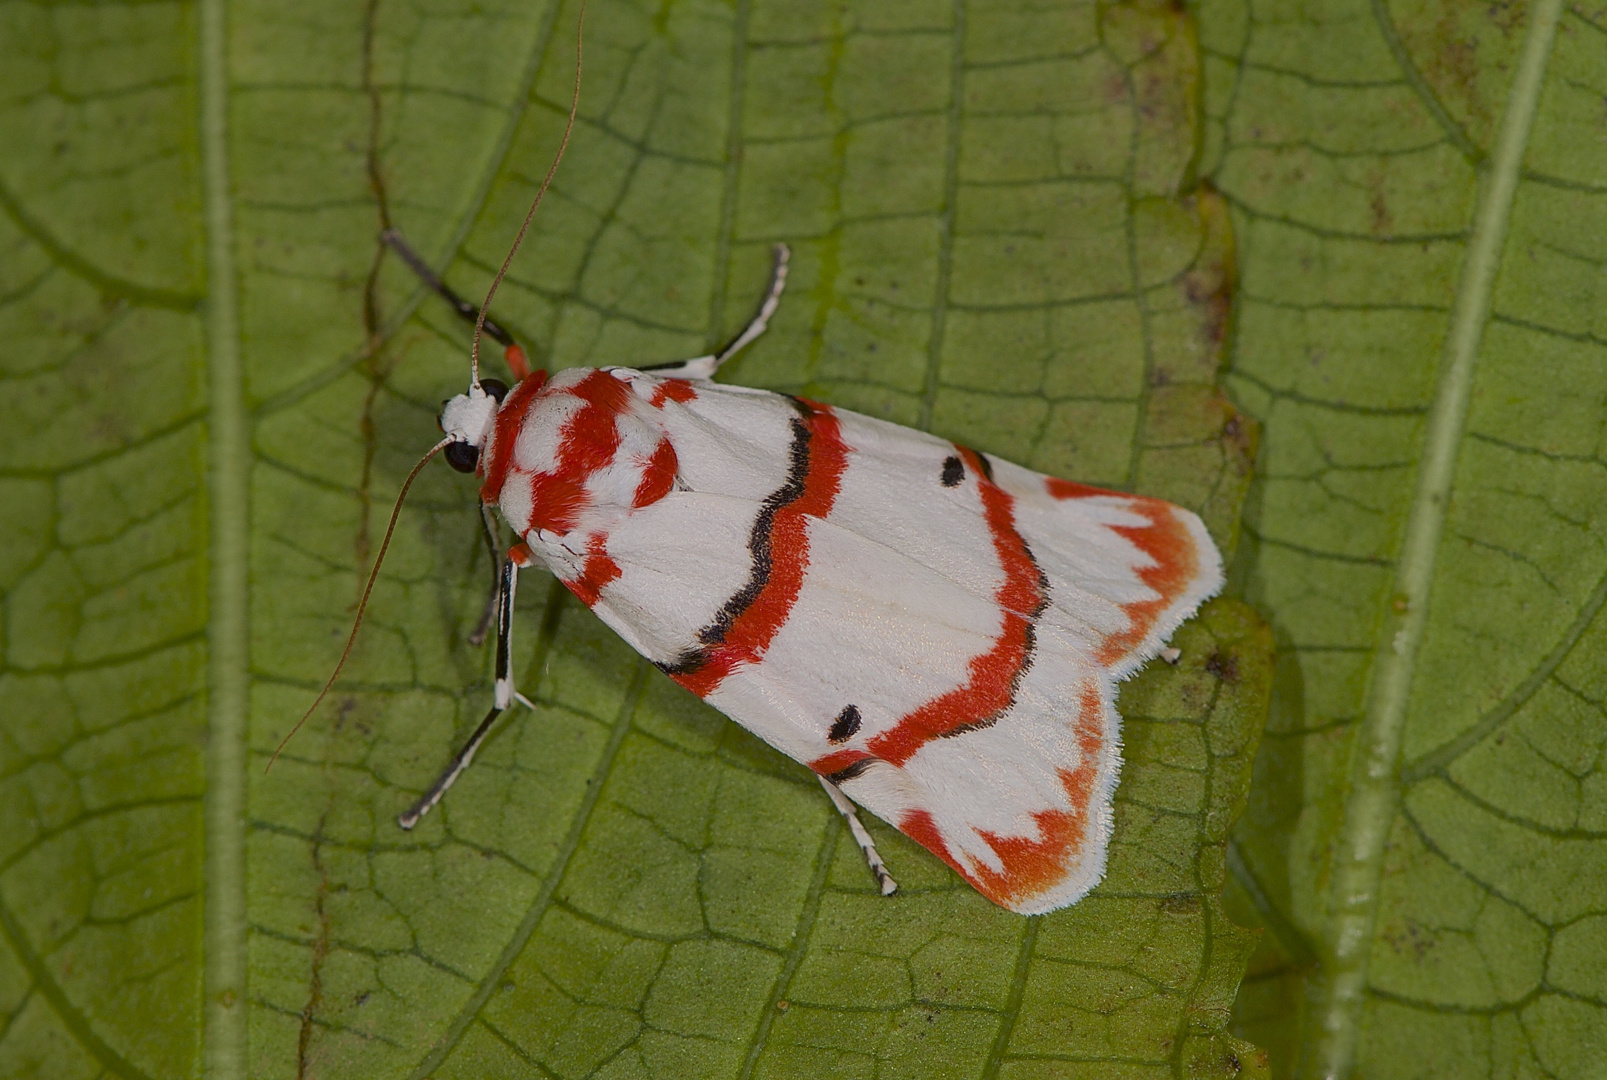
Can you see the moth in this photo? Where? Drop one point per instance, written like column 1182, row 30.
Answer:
column 935, row 632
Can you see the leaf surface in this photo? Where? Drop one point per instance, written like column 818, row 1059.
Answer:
column 217, row 378
column 1417, row 196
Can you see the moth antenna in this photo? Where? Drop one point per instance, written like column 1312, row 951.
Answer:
column 362, row 605
column 574, row 108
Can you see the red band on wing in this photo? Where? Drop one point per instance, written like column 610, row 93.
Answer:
column 596, row 573
column 755, row 627
column 672, row 390
column 1175, row 562
column 1070, row 489
column 510, row 414
column 838, row 761
column 1031, row 866
column 588, row 442
column 991, row 686
column 658, row 476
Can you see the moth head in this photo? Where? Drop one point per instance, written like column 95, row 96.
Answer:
column 467, row 419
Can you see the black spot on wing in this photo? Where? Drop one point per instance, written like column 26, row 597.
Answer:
column 953, row 472
column 846, row 725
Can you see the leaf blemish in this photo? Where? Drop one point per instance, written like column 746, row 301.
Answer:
column 1224, row 666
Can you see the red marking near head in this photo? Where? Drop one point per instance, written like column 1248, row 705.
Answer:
column 518, row 362
column 1175, row 562
column 672, row 390
column 752, row 631
column 588, row 442
column 991, row 683
column 658, row 476
column 510, row 414
column 520, row 554
column 1031, row 867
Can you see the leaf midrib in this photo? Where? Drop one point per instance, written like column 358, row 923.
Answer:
column 1371, row 802
column 228, row 493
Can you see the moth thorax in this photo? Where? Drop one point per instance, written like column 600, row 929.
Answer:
column 589, row 458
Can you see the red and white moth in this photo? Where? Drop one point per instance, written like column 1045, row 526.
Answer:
column 937, row 633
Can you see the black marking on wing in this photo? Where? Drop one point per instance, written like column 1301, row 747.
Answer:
column 842, row 776
column 688, row 662
column 846, row 725
column 953, row 471
column 1029, row 651
column 758, row 549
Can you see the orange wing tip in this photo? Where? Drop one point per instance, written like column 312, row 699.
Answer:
column 1066, row 858
column 1185, row 570
column 1040, row 875
column 1188, row 572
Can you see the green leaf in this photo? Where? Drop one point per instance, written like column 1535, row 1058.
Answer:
column 216, row 379
column 1417, row 195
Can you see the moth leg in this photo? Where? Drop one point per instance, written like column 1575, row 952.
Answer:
column 704, row 367
column 511, row 350
column 505, row 696
column 488, row 530
column 861, row 837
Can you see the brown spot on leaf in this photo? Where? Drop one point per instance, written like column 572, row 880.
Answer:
column 1115, row 89
column 1239, row 437
column 1224, row 666
column 1382, row 219
column 1409, row 936
column 1180, row 904
column 1208, row 285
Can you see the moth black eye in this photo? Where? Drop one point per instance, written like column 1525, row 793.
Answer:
column 462, row 457
column 496, row 388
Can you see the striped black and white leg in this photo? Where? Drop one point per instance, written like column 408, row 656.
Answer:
column 861, row 837
column 505, row 696
column 704, row 367
column 488, row 529
column 466, row 311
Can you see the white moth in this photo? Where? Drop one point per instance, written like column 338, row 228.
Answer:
column 937, row 633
